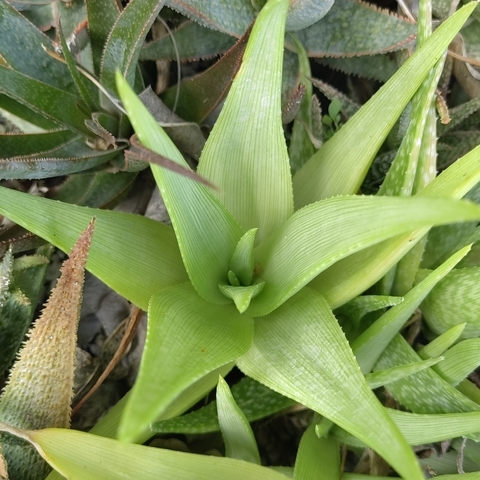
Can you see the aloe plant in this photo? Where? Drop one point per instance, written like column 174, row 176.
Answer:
column 249, row 272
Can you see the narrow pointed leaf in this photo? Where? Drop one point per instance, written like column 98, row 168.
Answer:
column 99, row 458
column 242, row 296
column 420, row 429
column 338, row 167
column 442, row 342
column 18, row 305
column 125, row 40
column 243, row 261
column 426, row 391
column 55, row 104
column 70, row 157
column 40, row 386
column 187, row 337
column 85, row 87
column 370, row 344
column 199, row 95
column 102, row 15
column 246, row 155
column 310, row 361
column 201, row 222
column 384, row 377
column 350, row 277
column 232, row 17
column 20, row 144
column 136, row 272
column 460, row 361
column 236, row 431
column 289, row 261
column 317, row 457
column 21, row 46
column 255, row 400
column 191, row 41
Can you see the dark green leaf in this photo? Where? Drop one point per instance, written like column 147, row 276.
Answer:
column 199, row 95
column 21, row 46
column 228, row 16
column 192, row 41
column 54, row 104
column 370, row 31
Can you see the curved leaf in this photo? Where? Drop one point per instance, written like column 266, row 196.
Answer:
column 236, row 431
column 207, row 233
column 370, row 344
column 21, row 46
column 370, row 31
column 70, row 157
column 228, row 16
column 300, row 351
column 99, row 458
column 341, row 164
column 301, row 250
column 187, row 337
column 19, row 144
column 455, row 300
column 245, row 154
column 125, row 40
column 353, row 275
column 255, row 400
column 134, row 255
column 102, row 15
column 51, row 102
column 303, row 13
column 199, row 95
column 191, row 41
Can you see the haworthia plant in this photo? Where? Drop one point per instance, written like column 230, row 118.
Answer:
column 234, row 280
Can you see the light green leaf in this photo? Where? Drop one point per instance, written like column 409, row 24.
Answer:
column 300, row 351
column 317, row 458
column 384, row 377
column 439, row 345
column 455, row 300
column 300, row 250
column 420, row 429
column 255, row 400
column 460, row 360
column 134, row 255
column 187, row 337
column 341, row 164
column 236, row 431
column 350, row 277
column 200, row 221
column 370, row 344
column 245, row 154
column 243, row 261
column 99, row 458
column 426, row 391
column 242, row 296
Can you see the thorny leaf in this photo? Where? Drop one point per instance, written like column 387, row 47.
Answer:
column 370, row 31
column 40, row 386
